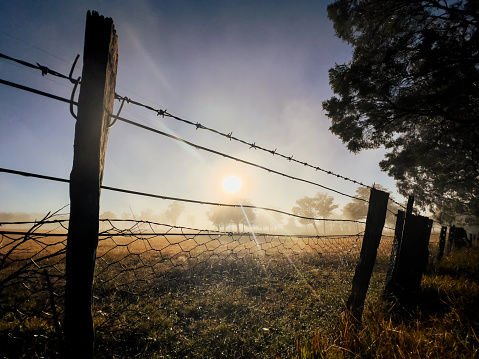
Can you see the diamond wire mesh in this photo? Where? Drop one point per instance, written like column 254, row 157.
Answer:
column 163, row 291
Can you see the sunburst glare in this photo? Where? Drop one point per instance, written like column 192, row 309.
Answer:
column 232, row 184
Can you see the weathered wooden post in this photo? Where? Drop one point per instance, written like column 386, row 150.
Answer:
column 410, row 204
column 394, row 257
column 95, row 104
column 412, row 256
column 442, row 242
column 375, row 219
column 451, row 239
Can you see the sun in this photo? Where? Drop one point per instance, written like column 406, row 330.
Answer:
column 232, row 184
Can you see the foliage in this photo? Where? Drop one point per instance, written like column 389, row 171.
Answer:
column 218, row 216
column 413, row 87
column 174, row 211
column 223, row 216
column 241, row 215
column 358, row 210
column 319, row 206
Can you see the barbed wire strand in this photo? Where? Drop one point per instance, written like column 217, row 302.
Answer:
column 38, row 92
column 70, row 101
column 45, row 70
column 165, row 113
column 198, row 147
column 181, row 140
column 144, row 194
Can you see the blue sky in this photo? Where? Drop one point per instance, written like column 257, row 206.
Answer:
column 258, row 69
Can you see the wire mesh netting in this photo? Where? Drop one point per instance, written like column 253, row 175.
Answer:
column 165, row 291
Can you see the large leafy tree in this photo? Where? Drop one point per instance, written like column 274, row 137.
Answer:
column 357, row 209
column 219, row 216
column 319, row 206
column 241, row 215
column 412, row 86
column 174, row 211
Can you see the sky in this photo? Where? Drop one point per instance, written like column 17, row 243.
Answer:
column 258, row 69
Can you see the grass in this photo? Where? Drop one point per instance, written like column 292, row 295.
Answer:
column 162, row 303
column 216, row 299
column 443, row 324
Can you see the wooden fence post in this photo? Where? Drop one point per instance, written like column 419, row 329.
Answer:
column 442, row 242
column 95, row 103
column 410, row 203
column 393, row 259
column 376, row 217
column 451, row 238
column 412, row 259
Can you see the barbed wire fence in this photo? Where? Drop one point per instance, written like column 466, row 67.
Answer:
column 180, row 291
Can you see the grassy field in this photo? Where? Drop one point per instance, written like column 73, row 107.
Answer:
column 444, row 323
column 191, row 296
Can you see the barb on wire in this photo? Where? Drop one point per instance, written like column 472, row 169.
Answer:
column 145, row 194
column 165, row 113
column 45, row 70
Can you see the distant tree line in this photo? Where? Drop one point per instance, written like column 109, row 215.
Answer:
column 241, row 218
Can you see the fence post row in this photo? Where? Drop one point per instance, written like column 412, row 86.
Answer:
column 375, row 219
column 411, row 257
column 95, row 103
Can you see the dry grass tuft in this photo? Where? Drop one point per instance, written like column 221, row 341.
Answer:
column 444, row 323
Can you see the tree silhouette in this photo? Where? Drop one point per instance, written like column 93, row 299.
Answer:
column 358, row 210
column 223, row 215
column 241, row 215
column 219, row 217
column 174, row 211
column 319, row 206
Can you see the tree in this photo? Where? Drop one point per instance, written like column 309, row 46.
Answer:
column 219, row 217
column 241, row 215
column 319, row 206
column 263, row 221
column 174, row 211
column 107, row 215
column 305, row 208
column 412, row 86
column 269, row 219
column 223, row 215
column 357, row 209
